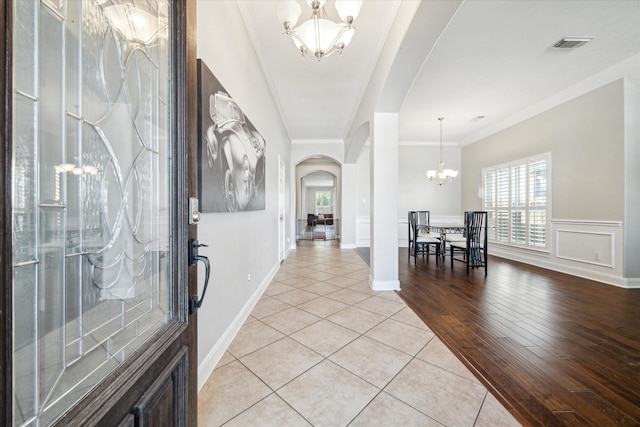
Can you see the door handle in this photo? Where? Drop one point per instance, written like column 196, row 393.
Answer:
column 194, row 257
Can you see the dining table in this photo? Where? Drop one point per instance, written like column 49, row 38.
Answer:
column 443, row 229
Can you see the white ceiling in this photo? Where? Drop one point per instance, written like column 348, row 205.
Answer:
column 483, row 58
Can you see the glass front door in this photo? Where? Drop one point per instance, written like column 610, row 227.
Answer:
column 91, row 213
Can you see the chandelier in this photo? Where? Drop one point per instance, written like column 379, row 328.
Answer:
column 318, row 35
column 442, row 175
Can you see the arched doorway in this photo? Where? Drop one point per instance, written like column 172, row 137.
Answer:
column 318, row 199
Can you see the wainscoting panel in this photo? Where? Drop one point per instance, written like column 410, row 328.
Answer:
column 363, row 231
column 586, row 246
column 590, row 249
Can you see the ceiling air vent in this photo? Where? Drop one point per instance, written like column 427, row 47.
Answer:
column 571, row 42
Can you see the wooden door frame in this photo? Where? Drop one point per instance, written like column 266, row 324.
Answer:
column 180, row 331
column 6, row 88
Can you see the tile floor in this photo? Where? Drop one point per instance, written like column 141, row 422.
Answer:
column 321, row 348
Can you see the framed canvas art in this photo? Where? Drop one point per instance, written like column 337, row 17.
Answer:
column 231, row 163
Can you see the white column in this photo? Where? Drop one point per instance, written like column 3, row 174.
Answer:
column 384, row 202
column 348, row 205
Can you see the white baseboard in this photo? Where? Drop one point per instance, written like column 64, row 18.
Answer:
column 384, row 285
column 633, row 283
column 347, row 245
column 213, row 357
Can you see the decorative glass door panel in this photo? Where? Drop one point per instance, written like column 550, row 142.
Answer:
column 92, row 280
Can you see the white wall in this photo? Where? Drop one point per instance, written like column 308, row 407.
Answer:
column 416, row 193
column 586, row 139
column 363, row 202
column 245, row 242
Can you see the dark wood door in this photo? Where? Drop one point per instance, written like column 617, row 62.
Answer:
column 99, row 144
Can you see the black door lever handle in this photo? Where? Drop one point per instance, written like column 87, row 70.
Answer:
column 194, row 257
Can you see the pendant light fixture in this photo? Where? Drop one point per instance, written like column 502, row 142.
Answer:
column 441, row 175
column 319, row 35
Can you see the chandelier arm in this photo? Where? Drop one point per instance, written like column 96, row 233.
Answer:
column 295, row 36
column 334, row 45
column 316, row 28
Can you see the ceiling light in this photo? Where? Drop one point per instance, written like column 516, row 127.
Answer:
column 441, row 175
column 319, row 35
column 572, row 42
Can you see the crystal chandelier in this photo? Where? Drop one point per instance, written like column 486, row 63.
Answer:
column 318, row 35
column 442, row 175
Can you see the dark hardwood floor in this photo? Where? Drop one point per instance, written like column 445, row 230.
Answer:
column 555, row 349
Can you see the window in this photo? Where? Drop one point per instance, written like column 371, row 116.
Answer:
column 516, row 197
column 323, row 202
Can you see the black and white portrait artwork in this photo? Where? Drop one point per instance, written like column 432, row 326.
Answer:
column 231, row 166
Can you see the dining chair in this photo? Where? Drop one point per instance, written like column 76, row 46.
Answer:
column 474, row 247
column 420, row 240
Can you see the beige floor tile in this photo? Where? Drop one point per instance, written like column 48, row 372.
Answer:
column 320, row 275
column 433, row 387
column 358, row 356
column 360, row 275
column 338, row 395
column 406, row 315
column 325, row 337
column 269, row 412
column 299, row 281
column 277, row 288
column 291, row 320
column 443, row 396
column 268, row 306
column 493, row 414
column 296, row 297
column 387, row 411
column 324, row 266
column 225, row 359
column 381, row 306
column 249, row 320
column 355, row 264
column 283, row 274
column 339, row 270
column 322, row 288
column 344, row 282
column 392, row 296
column 439, row 355
column 365, row 288
column 230, row 390
column 280, row 362
column 348, row 296
column 322, row 306
column 400, row 336
column 356, row 319
column 252, row 337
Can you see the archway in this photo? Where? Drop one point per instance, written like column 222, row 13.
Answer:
column 318, row 199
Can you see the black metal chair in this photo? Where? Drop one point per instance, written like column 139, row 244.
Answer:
column 420, row 241
column 474, row 248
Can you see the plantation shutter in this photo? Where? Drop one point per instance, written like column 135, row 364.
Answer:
column 515, row 197
column 538, row 202
column 502, row 204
